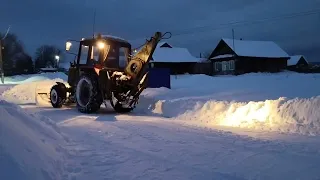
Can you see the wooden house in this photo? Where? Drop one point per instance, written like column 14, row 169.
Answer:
column 178, row 60
column 233, row 56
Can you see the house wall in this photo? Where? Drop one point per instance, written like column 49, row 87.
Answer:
column 241, row 65
column 203, row 68
column 247, row 64
column 302, row 62
column 224, row 66
column 176, row 68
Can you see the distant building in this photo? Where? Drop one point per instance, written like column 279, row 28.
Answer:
column 48, row 69
column 297, row 61
column 243, row 56
column 178, row 60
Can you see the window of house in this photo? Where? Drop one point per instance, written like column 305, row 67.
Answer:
column 227, row 65
column 217, row 66
column 231, row 66
column 224, row 65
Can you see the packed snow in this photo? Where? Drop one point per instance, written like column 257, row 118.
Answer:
column 26, row 86
column 253, row 126
column 21, row 79
column 31, row 146
column 269, row 102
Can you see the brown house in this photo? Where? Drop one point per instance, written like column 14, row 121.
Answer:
column 178, row 60
column 240, row 56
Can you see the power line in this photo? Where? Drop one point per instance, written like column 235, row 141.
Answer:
column 244, row 23
column 239, row 23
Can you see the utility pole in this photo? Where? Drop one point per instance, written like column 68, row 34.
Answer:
column 233, row 40
column 1, row 64
column 94, row 22
column 1, row 56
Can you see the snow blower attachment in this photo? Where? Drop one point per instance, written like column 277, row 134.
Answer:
column 96, row 76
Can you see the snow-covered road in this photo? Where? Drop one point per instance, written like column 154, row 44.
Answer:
column 109, row 146
column 188, row 144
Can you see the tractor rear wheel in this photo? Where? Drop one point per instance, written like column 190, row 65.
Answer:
column 87, row 95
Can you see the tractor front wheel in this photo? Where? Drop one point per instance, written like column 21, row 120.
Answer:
column 58, row 95
column 87, row 95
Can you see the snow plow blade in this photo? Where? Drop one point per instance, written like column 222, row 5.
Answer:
column 42, row 93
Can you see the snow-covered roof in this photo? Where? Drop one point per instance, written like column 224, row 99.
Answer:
column 256, row 48
column 295, row 59
column 222, row 56
column 174, row 54
column 163, row 43
column 109, row 36
column 114, row 37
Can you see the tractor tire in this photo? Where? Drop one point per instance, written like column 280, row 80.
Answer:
column 58, row 95
column 87, row 95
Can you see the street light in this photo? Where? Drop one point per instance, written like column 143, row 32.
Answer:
column 57, row 57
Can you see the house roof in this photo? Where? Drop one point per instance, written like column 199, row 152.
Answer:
column 256, row 48
column 295, row 59
column 172, row 54
column 164, row 44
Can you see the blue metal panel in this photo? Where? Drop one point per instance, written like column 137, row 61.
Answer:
column 159, row 77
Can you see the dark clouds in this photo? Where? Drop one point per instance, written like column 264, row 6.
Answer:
column 40, row 22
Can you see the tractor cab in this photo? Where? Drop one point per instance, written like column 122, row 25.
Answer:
column 103, row 51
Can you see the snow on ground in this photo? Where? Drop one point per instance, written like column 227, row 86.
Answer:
column 188, row 132
column 19, row 79
column 27, row 85
column 31, row 146
column 285, row 102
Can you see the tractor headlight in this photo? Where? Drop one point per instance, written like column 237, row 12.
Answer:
column 101, row 45
column 68, row 46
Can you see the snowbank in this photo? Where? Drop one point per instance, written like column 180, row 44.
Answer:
column 25, row 93
column 30, row 145
column 269, row 102
column 285, row 102
column 299, row 115
column 20, row 79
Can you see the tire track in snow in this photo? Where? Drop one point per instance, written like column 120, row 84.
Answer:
column 129, row 148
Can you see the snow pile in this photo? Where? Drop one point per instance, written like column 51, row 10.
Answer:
column 297, row 115
column 30, row 145
column 20, row 79
column 26, row 93
column 278, row 104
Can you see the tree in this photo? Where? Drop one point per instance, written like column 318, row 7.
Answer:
column 11, row 47
column 23, row 64
column 45, row 56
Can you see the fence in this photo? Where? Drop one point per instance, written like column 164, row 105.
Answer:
column 203, row 68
